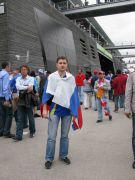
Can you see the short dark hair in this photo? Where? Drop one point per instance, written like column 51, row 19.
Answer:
column 80, row 69
column 61, row 57
column 109, row 71
column 48, row 72
column 25, row 66
column 32, row 74
column 118, row 71
column 4, row 64
column 17, row 69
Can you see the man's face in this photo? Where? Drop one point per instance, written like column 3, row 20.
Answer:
column 62, row 65
column 24, row 71
column 8, row 68
column 79, row 71
column 101, row 75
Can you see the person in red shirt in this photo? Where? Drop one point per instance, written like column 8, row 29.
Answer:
column 80, row 77
column 119, row 85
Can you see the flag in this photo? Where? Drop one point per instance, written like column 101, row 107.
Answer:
column 76, row 112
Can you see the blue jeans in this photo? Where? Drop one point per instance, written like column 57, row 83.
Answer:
column 21, row 113
column 116, row 101
column 95, row 104
column 6, row 115
column 119, row 101
column 99, row 108
column 53, row 123
column 80, row 93
column 122, row 100
column 25, row 123
column 110, row 93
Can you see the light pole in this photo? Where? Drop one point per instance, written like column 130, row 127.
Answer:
column 18, row 57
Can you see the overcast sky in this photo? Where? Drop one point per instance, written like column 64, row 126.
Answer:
column 120, row 28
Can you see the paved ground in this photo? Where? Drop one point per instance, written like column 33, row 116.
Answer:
column 98, row 152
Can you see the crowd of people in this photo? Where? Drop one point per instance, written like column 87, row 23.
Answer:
column 119, row 88
column 60, row 95
column 96, row 90
column 20, row 91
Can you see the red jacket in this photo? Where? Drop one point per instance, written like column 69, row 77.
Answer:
column 79, row 79
column 119, row 84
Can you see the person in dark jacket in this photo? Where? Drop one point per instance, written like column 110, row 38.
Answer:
column 24, row 85
column 93, row 80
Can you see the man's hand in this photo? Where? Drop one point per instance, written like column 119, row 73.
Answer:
column 45, row 113
column 102, row 88
column 30, row 88
column 128, row 114
column 7, row 104
column 97, row 86
column 74, row 118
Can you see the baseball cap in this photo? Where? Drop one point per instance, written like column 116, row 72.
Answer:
column 95, row 72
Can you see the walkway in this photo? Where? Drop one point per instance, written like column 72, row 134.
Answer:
column 98, row 152
column 123, row 6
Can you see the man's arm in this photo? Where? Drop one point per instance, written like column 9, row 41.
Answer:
column 28, row 87
column 6, row 87
column 19, row 86
column 114, row 83
column 128, row 95
column 96, row 86
column 45, row 99
column 45, row 111
column 107, row 85
column 31, row 84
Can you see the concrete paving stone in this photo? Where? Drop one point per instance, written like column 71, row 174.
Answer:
column 97, row 152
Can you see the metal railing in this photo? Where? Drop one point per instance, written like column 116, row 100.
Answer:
column 125, row 43
column 68, row 4
column 97, row 3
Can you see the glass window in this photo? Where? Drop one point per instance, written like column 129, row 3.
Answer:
column 2, row 8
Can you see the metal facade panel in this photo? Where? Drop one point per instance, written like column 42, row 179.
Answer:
column 57, row 40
